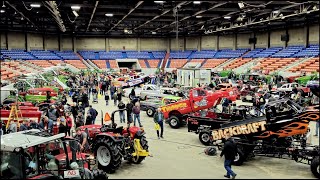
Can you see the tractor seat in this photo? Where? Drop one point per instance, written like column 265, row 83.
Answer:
column 118, row 129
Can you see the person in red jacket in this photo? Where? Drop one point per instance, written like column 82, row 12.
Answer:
column 68, row 123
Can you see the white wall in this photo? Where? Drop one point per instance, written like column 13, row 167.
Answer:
column 52, row 42
column 35, row 41
column 275, row 38
column 208, row 42
column 3, row 43
column 314, row 34
column 296, row 36
column 66, row 43
column 192, row 43
column 226, row 42
column 90, row 43
column 262, row 40
column 118, row 44
column 153, row 44
column 16, row 40
column 243, row 41
column 173, row 44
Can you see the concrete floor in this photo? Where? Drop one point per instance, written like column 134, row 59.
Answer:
column 180, row 155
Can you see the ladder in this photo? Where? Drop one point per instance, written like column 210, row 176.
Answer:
column 14, row 115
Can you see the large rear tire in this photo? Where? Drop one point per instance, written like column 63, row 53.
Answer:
column 239, row 159
column 204, row 138
column 145, row 146
column 99, row 174
column 315, row 167
column 107, row 154
column 174, row 122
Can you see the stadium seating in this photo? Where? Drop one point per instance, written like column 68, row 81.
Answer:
column 113, row 64
column 110, row 55
column 312, row 50
column 205, row 54
column 56, row 62
column 76, row 63
column 158, row 54
column 67, row 55
column 154, row 63
column 180, row 54
column 237, row 63
column 267, row 52
column 273, row 64
column 212, row 63
column 100, row 63
column 17, row 54
column 138, row 55
column 142, row 63
column 176, row 63
column 228, row 53
column 287, row 52
column 41, row 63
column 309, row 66
column 88, row 55
column 253, row 52
column 44, row 55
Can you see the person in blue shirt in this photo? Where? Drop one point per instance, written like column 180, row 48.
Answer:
column 158, row 118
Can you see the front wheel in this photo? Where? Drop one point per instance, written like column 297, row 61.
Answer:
column 315, row 167
column 174, row 122
column 150, row 112
column 204, row 138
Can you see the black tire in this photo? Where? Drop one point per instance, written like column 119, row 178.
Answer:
column 204, row 138
column 315, row 167
column 145, row 146
column 174, row 122
column 99, row 174
column 130, row 97
column 150, row 112
column 107, row 145
column 239, row 159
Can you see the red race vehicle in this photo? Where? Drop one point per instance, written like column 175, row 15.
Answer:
column 39, row 91
column 198, row 99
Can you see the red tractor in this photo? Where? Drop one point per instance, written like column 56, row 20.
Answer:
column 110, row 144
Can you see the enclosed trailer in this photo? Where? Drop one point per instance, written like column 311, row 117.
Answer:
column 193, row 76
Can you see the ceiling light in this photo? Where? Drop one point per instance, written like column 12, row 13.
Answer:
column 2, row 11
column 21, row 18
column 75, row 7
column 75, row 13
column 35, row 5
column 315, row 8
column 202, row 27
column 154, row 32
column 3, row 5
column 125, row 30
column 227, row 17
column 198, row 16
column 37, row 12
column 276, row 11
column 196, row 2
column 241, row 5
column 109, row 14
column 159, row 2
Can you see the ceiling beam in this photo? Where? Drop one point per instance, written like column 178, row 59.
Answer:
column 137, row 5
column 94, row 10
column 53, row 9
column 25, row 17
column 165, row 12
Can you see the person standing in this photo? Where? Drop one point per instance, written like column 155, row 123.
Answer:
column 229, row 152
column 112, row 90
column 129, row 107
column 68, row 123
column 62, row 125
column 121, row 105
column 136, row 113
column 115, row 98
column 119, row 95
column 93, row 114
column 158, row 119
column 106, row 98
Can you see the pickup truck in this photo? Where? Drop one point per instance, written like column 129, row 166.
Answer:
column 150, row 90
column 289, row 86
column 151, row 105
column 151, row 87
column 199, row 99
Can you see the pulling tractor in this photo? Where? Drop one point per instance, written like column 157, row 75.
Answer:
column 35, row 154
column 110, row 144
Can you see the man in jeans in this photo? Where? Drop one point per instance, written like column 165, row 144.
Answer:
column 93, row 113
column 121, row 105
column 229, row 151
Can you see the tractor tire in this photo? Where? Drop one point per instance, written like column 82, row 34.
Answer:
column 239, row 159
column 315, row 167
column 204, row 138
column 174, row 122
column 145, row 146
column 150, row 112
column 99, row 174
column 107, row 154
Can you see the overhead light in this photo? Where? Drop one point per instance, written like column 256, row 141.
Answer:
column 109, row 14
column 75, row 7
column 241, row 5
column 37, row 12
column 198, row 16
column 3, row 5
column 159, row 2
column 227, row 17
column 2, row 11
column 196, row 2
column 125, row 30
column 315, row 8
column 202, row 27
column 22, row 19
column 35, row 5
column 75, row 13
column 276, row 11
column 153, row 32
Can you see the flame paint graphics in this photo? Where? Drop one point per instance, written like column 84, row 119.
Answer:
column 310, row 115
column 288, row 130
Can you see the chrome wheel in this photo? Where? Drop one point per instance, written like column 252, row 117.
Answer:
column 103, row 156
